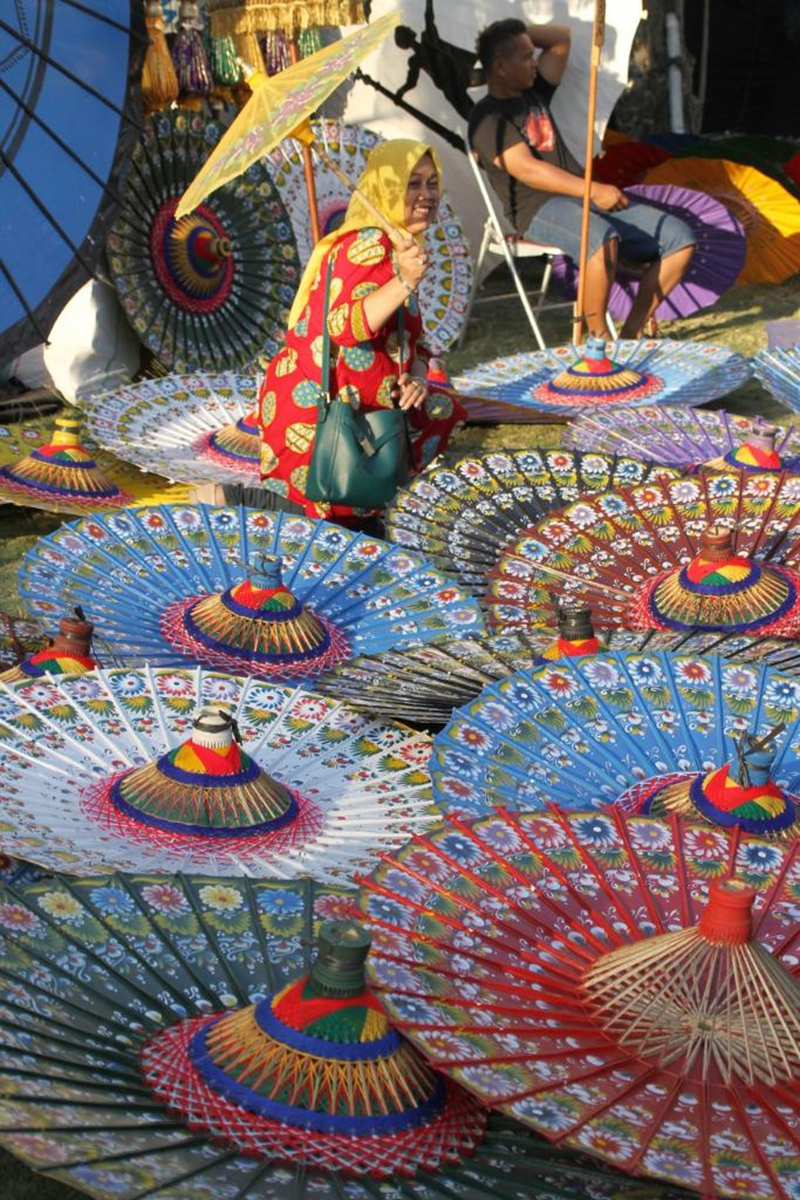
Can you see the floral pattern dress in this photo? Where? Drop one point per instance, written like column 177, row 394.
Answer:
column 364, row 369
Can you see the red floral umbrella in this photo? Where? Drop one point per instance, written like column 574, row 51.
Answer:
column 625, row 985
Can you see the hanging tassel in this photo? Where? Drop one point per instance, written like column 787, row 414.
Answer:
column 276, row 52
column 189, row 57
column 249, row 51
column 309, row 41
column 159, row 81
column 224, row 62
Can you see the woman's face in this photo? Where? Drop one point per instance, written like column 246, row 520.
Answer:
column 422, row 196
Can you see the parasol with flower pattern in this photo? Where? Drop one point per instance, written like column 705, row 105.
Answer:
column 626, row 986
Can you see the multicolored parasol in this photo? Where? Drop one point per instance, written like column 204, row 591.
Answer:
column 200, row 966
column 50, row 464
column 69, row 653
column 604, row 981
column 69, row 111
column 445, row 289
column 575, row 379
column 197, row 428
column 425, row 684
column 279, row 105
column 717, row 551
column 18, row 637
column 211, row 291
column 779, row 371
column 461, row 515
column 686, row 437
column 715, row 266
column 240, row 590
column 618, row 728
column 769, row 213
column 163, row 769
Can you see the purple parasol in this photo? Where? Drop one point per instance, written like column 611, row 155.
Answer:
column 716, row 263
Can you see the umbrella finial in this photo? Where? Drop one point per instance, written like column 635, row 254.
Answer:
column 726, row 919
column 342, row 949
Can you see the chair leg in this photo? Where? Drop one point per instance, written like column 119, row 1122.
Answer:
column 547, row 273
column 525, row 302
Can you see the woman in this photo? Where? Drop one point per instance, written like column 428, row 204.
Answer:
column 370, row 283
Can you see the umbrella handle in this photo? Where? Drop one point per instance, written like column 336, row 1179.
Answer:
column 388, row 228
column 598, row 37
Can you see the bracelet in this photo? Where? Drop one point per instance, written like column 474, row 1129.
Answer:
column 409, row 289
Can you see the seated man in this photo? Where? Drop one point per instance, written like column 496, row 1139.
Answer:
column 517, row 142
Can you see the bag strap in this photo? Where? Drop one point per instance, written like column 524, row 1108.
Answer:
column 326, row 337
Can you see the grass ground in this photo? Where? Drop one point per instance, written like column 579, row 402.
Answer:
column 497, row 329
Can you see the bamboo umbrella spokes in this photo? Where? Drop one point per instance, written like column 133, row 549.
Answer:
column 708, row 999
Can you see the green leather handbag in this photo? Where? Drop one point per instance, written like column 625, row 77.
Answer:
column 359, row 459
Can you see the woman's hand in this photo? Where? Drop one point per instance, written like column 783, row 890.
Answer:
column 608, row 198
column 412, row 263
column 409, row 391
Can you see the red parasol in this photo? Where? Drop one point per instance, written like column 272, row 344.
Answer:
column 608, row 983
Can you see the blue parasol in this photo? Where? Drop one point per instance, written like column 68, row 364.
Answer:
column 573, row 380
column 779, row 371
column 68, row 118
column 242, row 590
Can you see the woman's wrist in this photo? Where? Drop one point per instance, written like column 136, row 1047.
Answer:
column 408, row 287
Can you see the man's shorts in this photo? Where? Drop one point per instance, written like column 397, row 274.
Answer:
column 645, row 233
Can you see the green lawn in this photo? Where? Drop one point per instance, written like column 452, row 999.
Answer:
column 497, row 329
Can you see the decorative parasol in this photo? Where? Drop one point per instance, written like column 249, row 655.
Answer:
column 241, row 590
column 715, row 552
column 212, row 291
column 619, row 728
column 201, row 966
column 69, row 653
column 425, row 684
column 715, row 266
column 779, row 371
column 444, row 290
column 163, row 769
column 68, row 119
column 606, row 982
column 50, row 464
column 462, row 515
column 625, row 163
column 279, row 106
column 768, row 212
column 686, row 437
column 575, row 379
column 18, row 638
column 197, row 428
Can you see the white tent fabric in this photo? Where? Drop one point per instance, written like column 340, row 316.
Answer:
column 458, row 22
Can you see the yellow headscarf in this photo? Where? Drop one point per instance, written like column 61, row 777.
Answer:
column 384, row 182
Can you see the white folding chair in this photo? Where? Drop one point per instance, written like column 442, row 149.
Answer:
column 500, row 240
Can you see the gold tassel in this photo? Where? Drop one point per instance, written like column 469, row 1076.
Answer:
column 159, row 81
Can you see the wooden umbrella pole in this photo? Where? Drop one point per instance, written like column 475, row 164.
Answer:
column 598, row 37
column 308, row 166
column 389, row 229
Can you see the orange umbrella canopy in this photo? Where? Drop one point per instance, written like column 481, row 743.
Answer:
column 769, row 213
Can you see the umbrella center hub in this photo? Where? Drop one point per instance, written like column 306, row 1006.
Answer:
column 596, row 377
column 761, row 808
column 720, row 589
column 192, row 258
column 240, row 441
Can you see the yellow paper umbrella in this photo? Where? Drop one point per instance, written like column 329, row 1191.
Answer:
column 769, row 213
column 279, row 105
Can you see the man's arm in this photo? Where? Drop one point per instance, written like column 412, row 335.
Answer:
column 554, row 41
column 518, row 161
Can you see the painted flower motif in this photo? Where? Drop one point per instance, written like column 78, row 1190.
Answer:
column 111, row 900
column 546, row 1114
column 18, row 919
column 649, row 835
column 692, row 671
column 280, row 903
column 176, row 684
column 61, row 906
column 166, row 898
column 187, row 519
column 221, row 898
column 596, row 831
column 331, row 907
column 470, row 735
column 705, row 844
column 757, row 858
column 601, row 675
column 740, row 681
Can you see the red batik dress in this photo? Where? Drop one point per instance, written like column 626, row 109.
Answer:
column 364, row 370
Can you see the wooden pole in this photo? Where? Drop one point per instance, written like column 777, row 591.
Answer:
column 308, row 166
column 598, row 37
